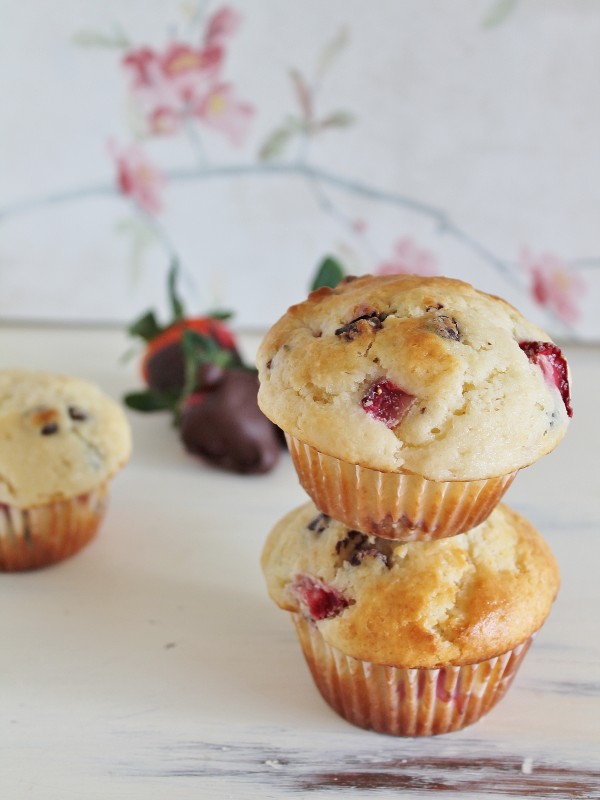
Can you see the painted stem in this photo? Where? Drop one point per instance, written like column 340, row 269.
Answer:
column 313, row 174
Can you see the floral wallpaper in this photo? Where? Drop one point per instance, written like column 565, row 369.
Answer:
column 247, row 141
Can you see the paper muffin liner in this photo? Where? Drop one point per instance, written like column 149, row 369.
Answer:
column 406, row 702
column 36, row 537
column 394, row 505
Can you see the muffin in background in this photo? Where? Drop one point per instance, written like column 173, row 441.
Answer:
column 415, row 638
column 61, row 441
column 410, row 402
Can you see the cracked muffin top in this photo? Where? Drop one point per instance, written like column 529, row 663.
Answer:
column 59, row 437
column 404, row 373
column 423, row 604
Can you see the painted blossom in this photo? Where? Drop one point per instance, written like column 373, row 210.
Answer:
column 220, row 25
column 184, row 82
column 554, row 285
column 408, row 258
column 221, row 110
column 138, row 178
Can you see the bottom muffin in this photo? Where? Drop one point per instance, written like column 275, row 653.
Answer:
column 416, row 638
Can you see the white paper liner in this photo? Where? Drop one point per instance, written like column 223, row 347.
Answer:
column 394, row 505
column 406, row 702
column 38, row 536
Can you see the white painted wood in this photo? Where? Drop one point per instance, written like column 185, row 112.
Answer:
column 153, row 665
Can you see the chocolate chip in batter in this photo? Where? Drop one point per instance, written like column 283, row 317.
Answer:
column 352, row 329
column 446, row 327
column 77, row 414
column 319, row 523
column 49, row 428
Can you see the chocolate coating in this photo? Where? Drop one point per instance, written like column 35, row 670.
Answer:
column 166, row 371
column 226, row 427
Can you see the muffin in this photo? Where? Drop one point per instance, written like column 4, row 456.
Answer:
column 61, row 441
column 415, row 638
column 410, row 402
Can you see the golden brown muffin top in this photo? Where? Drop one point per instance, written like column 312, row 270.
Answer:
column 424, row 375
column 59, row 437
column 453, row 601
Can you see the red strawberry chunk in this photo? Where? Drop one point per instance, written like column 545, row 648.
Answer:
column 549, row 358
column 321, row 601
column 387, row 403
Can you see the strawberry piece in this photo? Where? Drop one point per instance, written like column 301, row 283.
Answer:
column 321, row 601
column 387, row 403
column 549, row 358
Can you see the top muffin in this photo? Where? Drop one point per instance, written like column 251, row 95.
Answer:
column 59, row 437
column 405, row 373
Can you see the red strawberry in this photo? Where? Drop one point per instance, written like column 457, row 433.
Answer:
column 549, row 358
column 387, row 403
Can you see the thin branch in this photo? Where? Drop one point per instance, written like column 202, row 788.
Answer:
column 313, row 174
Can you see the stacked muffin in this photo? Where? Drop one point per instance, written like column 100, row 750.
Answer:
column 409, row 405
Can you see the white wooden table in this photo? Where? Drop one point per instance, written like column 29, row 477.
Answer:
column 153, row 665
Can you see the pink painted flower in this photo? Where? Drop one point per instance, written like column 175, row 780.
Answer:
column 190, row 72
column 184, row 81
column 221, row 110
column 138, row 178
column 408, row 258
column 220, row 25
column 553, row 284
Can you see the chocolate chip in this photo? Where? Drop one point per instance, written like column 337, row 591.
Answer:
column 359, row 555
column 436, row 307
column 77, row 414
column 446, row 327
column 49, row 429
column 269, row 363
column 356, row 546
column 374, row 320
column 319, row 524
column 348, row 539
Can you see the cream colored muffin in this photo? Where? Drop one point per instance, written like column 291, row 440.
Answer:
column 411, row 638
column 411, row 378
column 61, row 441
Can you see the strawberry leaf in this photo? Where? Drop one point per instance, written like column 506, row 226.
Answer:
column 220, row 314
column 329, row 273
column 177, row 308
column 148, row 401
column 197, row 350
column 146, row 327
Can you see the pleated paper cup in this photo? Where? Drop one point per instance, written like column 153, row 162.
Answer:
column 36, row 537
column 394, row 505
column 406, row 702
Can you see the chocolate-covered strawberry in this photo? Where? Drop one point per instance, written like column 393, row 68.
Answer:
column 163, row 364
column 225, row 426
column 192, row 368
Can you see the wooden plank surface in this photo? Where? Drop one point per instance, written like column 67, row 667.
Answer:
column 153, row 664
